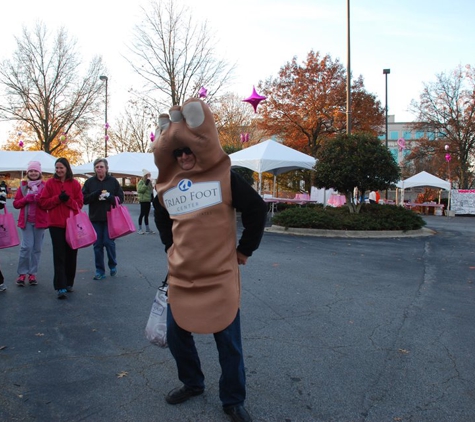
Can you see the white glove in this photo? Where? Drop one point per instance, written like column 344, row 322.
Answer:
column 104, row 196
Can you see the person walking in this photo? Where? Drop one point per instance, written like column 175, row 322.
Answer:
column 32, row 221
column 100, row 192
column 145, row 194
column 61, row 194
column 198, row 197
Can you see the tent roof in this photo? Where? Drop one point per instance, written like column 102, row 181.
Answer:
column 273, row 157
column 125, row 164
column 16, row 162
column 423, row 179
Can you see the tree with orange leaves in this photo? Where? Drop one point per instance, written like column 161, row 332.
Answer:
column 307, row 103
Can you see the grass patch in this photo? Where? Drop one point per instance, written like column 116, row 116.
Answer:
column 371, row 217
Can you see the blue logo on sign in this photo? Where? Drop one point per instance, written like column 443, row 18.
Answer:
column 184, row 185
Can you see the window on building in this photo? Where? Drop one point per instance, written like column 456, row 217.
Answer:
column 430, row 136
column 419, row 134
column 407, row 135
column 394, row 135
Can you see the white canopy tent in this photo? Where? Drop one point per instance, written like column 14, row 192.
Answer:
column 15, row 163
column 125, row 164
column 271, row 157
column 422, row 179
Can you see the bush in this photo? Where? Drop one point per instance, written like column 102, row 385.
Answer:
column 371, row 217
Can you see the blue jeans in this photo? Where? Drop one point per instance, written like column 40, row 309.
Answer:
column 103, row 241
column 232, row 383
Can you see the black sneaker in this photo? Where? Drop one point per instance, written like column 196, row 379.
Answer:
column 237, row 413
column 179, row 395
column 62, row 294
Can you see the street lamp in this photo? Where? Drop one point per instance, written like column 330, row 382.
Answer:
column 106, row 125
column 386, row 72
column 348, row 72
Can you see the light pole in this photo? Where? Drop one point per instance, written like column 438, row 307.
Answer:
column 386, row 72
column 106, row 125
column 348, row 72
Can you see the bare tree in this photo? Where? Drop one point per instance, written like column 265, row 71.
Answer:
column 133, row 129
column 447, row 108
column 43, row 87
column 235, row 122
column 175, row 56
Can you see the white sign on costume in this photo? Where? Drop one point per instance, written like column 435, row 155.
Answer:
column 187, row 196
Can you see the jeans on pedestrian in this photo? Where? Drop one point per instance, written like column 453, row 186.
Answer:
column 30, row 249
column 103, row 241
column 232, row 382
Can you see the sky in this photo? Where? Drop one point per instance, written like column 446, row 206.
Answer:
column 415, row 39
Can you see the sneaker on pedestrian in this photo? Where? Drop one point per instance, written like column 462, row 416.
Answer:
column 20, row 281
column 69, row 289
column 2, row 287
column 62, row 294
column 149, row 232
column 113, row 272
column 140, row 232
column 32, row 280
column 99, row 276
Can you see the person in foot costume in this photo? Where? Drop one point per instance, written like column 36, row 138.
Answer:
column 198, row 196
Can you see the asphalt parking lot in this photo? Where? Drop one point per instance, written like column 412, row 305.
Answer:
column 334, row 329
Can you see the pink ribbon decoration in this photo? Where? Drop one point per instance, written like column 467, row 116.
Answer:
column 152, row 137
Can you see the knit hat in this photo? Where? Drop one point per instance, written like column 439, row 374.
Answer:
column 34, row 165
column 145, row 172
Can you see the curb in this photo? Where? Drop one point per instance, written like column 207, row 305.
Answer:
column 350, row 233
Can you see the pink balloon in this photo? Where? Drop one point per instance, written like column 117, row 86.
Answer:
column 203, row 92
column 254, row 99
column 152, row 137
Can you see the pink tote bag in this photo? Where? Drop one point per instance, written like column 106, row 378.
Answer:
column 80, row 232
column 8, row 232
column 119, row 221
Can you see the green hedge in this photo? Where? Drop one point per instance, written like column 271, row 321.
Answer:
column 371, row 217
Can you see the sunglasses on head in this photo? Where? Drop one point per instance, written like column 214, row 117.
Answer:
column 179, row 152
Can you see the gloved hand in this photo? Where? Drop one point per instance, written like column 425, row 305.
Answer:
column 96, row 193
column 104, row 196
column 147, row 182
column 63, row 196
column 30, row 197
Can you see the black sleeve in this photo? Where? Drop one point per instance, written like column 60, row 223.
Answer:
column 253, row 214
column 163, row 222
column 88, row 195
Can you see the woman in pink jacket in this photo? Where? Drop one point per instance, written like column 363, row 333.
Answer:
column 61, row 194
column 32, row 221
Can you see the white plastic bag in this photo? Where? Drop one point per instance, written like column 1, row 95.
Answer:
column 156, row 329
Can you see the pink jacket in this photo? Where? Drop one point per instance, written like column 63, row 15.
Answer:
column 20, row 202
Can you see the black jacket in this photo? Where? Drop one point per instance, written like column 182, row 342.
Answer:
column 91, row 191
column 245, row 200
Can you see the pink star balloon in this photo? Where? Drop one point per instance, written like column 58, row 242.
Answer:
column 203, row 92
column 254, row 99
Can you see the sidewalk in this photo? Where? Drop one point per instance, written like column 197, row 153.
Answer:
column 334, row 329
